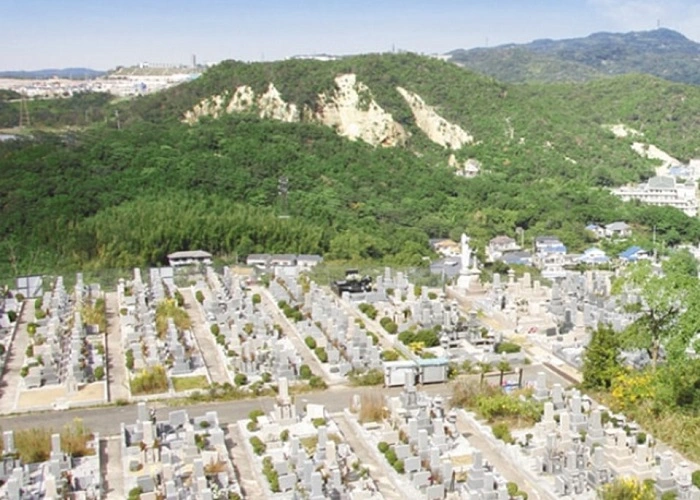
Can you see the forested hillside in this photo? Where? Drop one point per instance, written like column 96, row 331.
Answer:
column 128, row 196
column 662, row 52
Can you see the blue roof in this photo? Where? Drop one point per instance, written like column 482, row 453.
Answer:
column 432, row 362
column 631, row 253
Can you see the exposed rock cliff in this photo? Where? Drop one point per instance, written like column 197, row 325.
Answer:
column 353, row 113
column 438, row 130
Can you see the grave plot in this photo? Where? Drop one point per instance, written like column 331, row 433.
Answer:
column 10, row 308
column 575, row 449
column 177, row 458
column 159, row 346
column 417, row 440
column 301, row 453
column 68, row 467
column 65, row 356
column 254, row 350
column 342, row 345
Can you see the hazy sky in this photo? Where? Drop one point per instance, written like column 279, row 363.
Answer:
column 102, row 34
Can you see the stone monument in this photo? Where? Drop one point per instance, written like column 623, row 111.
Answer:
column 468, row 272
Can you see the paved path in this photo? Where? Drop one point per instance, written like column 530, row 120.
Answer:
column 113, row 468
column 207, row 342
column 367, row 459
column 116, row 369
column 246, row 475
column 310, row 359
column 504, row 466
column 9, row 384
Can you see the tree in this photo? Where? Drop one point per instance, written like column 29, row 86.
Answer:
column 600, row 361
column 666, row 307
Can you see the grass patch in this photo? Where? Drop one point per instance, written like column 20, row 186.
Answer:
column 166, row 309
column 150, row 381
column 492, row 404
column 181, row 384
column 371, row 407
column 34, row 445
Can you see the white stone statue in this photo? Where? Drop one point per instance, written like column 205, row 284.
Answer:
column 466, row 252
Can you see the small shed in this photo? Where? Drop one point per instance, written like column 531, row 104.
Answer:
column 395, row 372
column 432, row 370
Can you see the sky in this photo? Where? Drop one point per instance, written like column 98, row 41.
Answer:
column 103, row 34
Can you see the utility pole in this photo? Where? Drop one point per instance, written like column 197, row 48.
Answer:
column 24, row 121
column 282, row 191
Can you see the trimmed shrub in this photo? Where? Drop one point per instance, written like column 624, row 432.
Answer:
column 215, row 330
column 99, row 373
column 305, row 372
column 317, row 382
column 321, row 354
column 507, row 348
column 383, row 447
column 258, row 446
column 310, row 342
column 240, row 379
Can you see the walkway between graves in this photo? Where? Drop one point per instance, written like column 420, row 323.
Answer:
column 360, row 447
column 115, row 469
column 292, row 333
column 505, row 466
column 10, row 382
column 206, row 341
column 243, row 465
column 118, row 379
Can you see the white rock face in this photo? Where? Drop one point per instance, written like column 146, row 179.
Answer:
column 654, row 153
column 353, row 113
column 269, row 105
column 438, row 130
column 621, row 130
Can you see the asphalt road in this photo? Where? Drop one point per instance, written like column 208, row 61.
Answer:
column 107, row 419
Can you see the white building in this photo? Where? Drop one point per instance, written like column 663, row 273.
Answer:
column 190, row 257
column 663, row 192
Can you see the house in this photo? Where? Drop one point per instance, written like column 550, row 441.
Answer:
column 598, row 231
column 259, row 260
column 500, row 245
column 618, row 230
column 549, row 244
column 306, row 262
column 593, row 256
column 446, row 248
column 283, row 260
column 189, row 257
column 663, row 191
column 521, row 257
column 633, row 254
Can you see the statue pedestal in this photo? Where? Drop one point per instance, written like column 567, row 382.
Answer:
column 468, row 280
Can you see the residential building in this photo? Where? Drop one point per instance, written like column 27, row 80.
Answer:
column 520, row 257
column 665, row 192
column 549, row 244
column 618, row 230
column 633, row 254
column 500, row 245
column 446, row 248
column 189, row 257
column 598, row 231
column 306, row 262
column 593, row 256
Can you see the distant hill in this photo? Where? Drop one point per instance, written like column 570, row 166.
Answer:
column 663, row 53
column 43, row 74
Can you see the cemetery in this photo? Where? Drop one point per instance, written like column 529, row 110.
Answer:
column 10, row 311
column 64, row 361
column 576, row 447
column 249, row 343
column 62, row 474
column 177, row 458
column 156, row 334
column 300, row 452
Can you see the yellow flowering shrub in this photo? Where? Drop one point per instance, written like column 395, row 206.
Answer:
column 631, row 388
column 626, row 488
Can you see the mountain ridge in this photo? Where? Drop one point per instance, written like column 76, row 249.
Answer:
column 662, row 52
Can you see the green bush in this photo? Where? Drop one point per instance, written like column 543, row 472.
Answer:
column 129, row 355
column 368, row 310
column 310, row 342
column 31, row 329
column 367, row 378
column 390, row 355
column 398, row 466
column 321, row 354
column 256, row 298
column 507, row 348
column 284, row 435
column 179, row 299
column 383, row 447
column 240, row 379
column 30, row 351
column 40, row 314
column 317, row 382
column 266, row 377
column 258, row 446
column 215, row 330
column 38, row 304
column 251, row 426
column 271, row 474
column 199, row 295
column 254, row 414
column 135, row 493
column 391, row 456
column 318, row 422
column 305, row 372
column 389, row 325
column 432, row 295
column 429, row 338
column 12, row 316
column 502, row 431
column 641, row 437
column 99, row 373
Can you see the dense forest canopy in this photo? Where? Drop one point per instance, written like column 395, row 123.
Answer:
column 128, row 195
